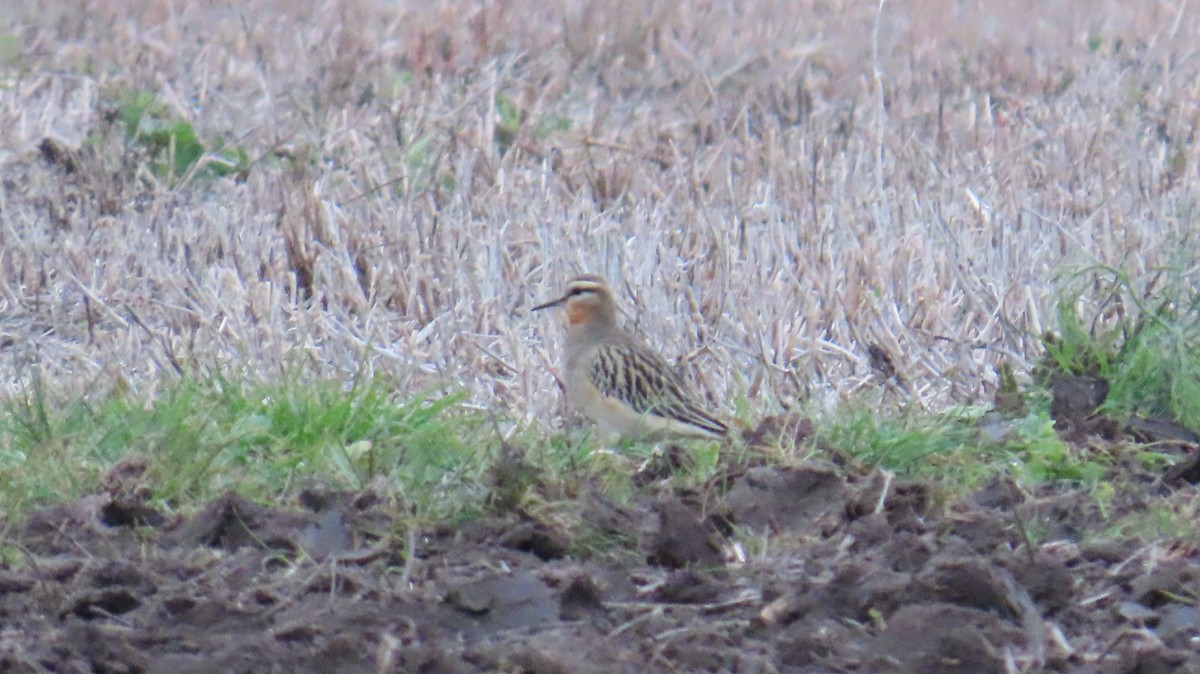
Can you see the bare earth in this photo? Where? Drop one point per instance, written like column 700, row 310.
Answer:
column 862, row 573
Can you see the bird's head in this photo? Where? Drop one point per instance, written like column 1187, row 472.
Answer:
column 588, row 300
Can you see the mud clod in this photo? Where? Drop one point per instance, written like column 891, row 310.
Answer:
column 937, row 638
column 537, row 538
column 681, row 538
column 810, row 497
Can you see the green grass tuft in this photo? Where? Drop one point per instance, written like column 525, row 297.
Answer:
column 1141, row 336
column 203, row 437
column 172, row 144
column 958, row 449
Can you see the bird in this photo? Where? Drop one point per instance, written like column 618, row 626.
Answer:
column 616, row 380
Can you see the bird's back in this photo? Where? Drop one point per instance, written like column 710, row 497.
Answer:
column 631, row 389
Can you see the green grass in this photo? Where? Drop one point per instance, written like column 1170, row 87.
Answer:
column 955, row 450
column 1141, row 335
column 10, row 50
column 1173, row 518
column 203, row 437
column 511, row 119
column 171, row 144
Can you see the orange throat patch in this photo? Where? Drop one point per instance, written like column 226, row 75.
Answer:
column 576, row 314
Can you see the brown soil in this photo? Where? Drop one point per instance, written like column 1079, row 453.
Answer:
column 857, row 572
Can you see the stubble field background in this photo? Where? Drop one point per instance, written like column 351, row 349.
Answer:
column 772, row 187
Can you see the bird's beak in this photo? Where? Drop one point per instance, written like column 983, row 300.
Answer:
column 550, row 304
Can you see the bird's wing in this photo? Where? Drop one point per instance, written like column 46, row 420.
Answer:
column 649, row 385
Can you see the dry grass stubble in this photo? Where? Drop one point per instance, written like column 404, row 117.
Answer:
column 771, row 188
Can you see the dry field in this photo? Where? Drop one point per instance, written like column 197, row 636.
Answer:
column 773, row 187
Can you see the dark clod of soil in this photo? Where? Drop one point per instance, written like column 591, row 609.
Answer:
column 810, row 497
column 536, row 537
column 1074, row 404
column 681, row 539
column 940, row 638
column 1187, row 471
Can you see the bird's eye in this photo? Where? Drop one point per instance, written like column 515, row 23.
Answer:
column 576, row 292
